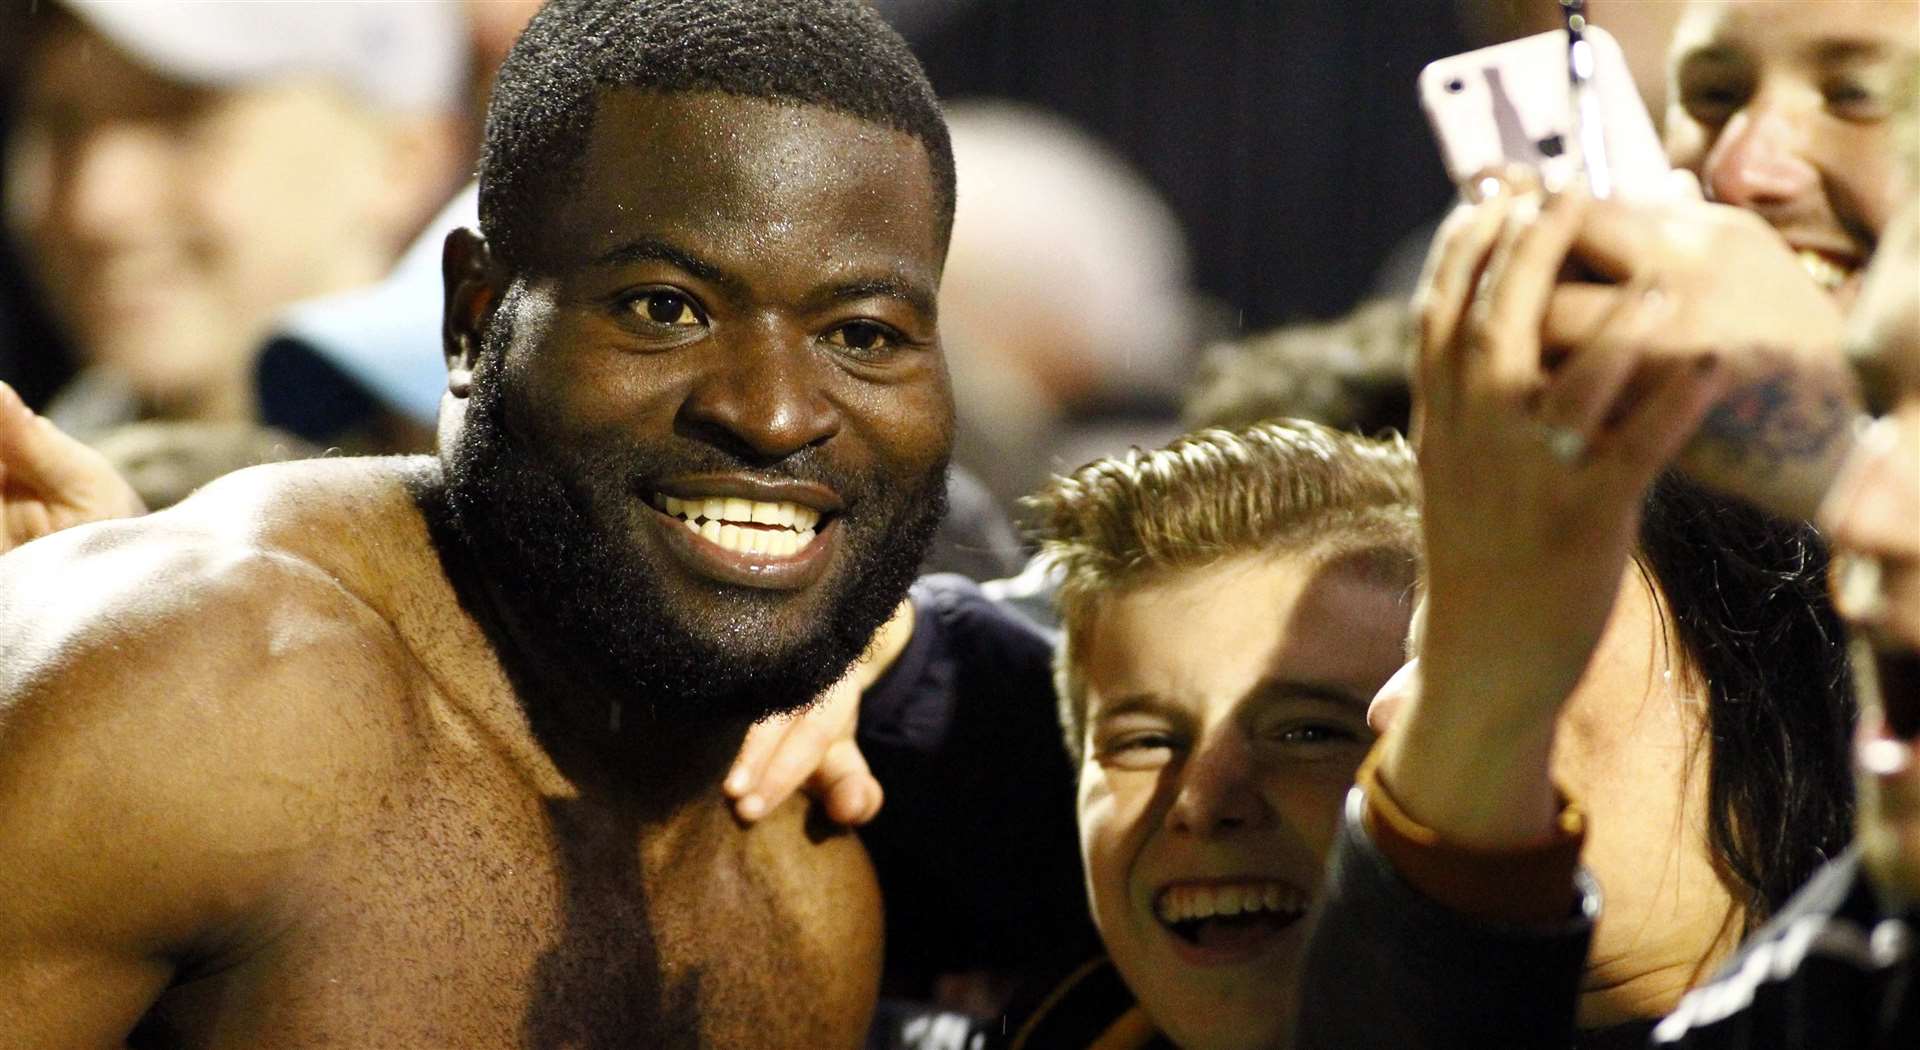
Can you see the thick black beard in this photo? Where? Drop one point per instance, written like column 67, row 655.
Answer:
column 546, row 527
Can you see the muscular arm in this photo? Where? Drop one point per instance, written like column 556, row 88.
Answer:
column 162, row 763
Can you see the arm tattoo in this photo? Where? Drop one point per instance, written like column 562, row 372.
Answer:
column 1781, row 419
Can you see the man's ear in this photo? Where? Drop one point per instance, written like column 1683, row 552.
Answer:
column 475, row 285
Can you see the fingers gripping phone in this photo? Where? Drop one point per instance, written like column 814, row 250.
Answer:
column 1511, row 104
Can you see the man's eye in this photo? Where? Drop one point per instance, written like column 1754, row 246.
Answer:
column 1313, row 734
column 1713, row 105
column 667, row 308
column 1712, row 93
column 1854, row 101
column 1138, row 750
column 863, row 337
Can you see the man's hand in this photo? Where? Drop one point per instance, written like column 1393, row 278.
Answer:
column 1735, row 291
column 49, row 481
column 1527, row 539
column 815, row 749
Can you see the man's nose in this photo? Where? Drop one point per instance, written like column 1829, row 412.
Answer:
column 1393, row 696
column 1759, row 162
column 764, row 396
column 1219, row 788
column 112, row 181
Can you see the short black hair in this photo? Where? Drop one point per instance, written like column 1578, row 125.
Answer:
column 835, row 54
column 1749, row 601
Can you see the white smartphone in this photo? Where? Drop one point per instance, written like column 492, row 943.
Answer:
column 1510, row 104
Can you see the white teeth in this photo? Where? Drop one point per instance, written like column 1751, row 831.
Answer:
column 1189, row 902
column 1824, row 271
column 779, row 543
column 729, row 523
column 743, row 511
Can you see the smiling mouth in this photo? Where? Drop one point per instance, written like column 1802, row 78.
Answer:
column 1231, row 917
column 745, row 526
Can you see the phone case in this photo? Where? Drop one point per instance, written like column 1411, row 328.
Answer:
column 1511, row 104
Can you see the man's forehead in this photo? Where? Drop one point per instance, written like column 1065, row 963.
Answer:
column 687, row 162
column 689, row 137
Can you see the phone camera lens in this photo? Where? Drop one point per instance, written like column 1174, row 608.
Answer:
column 1455, row 86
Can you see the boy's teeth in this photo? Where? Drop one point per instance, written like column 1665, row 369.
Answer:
column 1184, row 903
column 727, row 522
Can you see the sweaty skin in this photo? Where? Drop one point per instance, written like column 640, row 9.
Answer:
column 264, row 777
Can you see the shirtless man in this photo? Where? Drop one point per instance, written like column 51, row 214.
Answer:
column 427, row 752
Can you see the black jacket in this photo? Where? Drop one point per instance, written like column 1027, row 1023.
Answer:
column 1385, row 967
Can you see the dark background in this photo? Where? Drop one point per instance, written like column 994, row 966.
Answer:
column 1285, row 134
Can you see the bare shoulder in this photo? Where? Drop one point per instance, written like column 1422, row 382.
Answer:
column 192, row 704
column 190, row 687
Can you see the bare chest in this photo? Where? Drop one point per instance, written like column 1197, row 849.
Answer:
column 468, row 910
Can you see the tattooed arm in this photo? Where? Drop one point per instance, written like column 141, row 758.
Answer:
column 1717, row 282
column 1778, row 439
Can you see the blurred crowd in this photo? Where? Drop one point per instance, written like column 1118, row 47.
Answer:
column 1583, row 536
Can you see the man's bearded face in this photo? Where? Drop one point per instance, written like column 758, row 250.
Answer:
column 559, row 531
column 708, row 426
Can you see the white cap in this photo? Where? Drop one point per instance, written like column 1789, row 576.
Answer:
column 407, row 56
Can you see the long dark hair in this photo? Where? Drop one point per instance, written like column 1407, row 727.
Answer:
column 1749, row 601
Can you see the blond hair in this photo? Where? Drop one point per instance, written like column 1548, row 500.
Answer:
column 1282, row 486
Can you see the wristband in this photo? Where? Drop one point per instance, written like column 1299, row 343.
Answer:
column 1530, row 885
